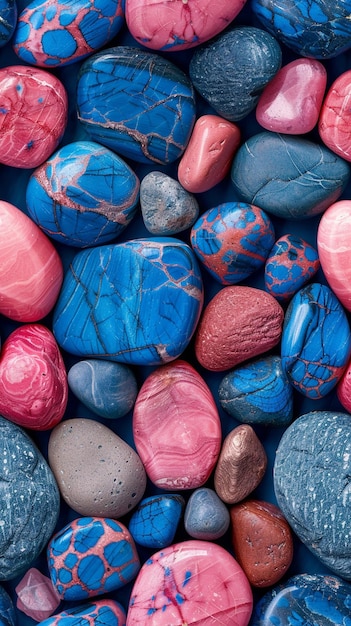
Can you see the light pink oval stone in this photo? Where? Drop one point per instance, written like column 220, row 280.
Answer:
column 176, row 427
column 192, row 582
column 31, row 269
column 334, row 249
column 176, row 25
column 292, row 100
column 208, row 156
column 335, row 119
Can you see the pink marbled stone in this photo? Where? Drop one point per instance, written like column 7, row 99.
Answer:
column 31, row 269
column 292, row 100
column 209, row 153
column 176, row 25
column 33, row 105
column 343, row 389
column 334, row 249
column 192, row 582
column 335, row 119
column 33, row 379
column 176, row 427
column 36, row 595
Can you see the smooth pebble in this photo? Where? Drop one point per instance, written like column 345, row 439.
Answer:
column 154, row 522
column 206, row 516
column 99, row 613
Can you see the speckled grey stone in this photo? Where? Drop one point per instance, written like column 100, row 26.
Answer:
column 29, row 501
column 312, row 482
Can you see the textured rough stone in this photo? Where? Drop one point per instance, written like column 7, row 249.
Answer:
column 8, row 21
column 206, row 516
column 154, row 522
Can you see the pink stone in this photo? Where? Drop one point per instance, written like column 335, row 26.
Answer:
column 192, row 582
column 33, row 379
column 31, row 269
column 169, row 25
column 34, row 107
column 292, row 100
column 176, row 427
column 209, row 153
column 37, row 596
column 335, row 119
column 343, row 389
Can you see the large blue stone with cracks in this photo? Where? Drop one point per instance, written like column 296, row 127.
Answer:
column 136, row 302
column 154, row 522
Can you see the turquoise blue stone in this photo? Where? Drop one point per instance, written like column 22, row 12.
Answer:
column 316, row 341
column 8, row 20
column 84, row 195
column 155, row 521
column 305, row 600
column 137, row 103
column 7, row 610
column 137, row 302
column 86, row 614
column 206, row 517
column 290, row 177
column 258, row 393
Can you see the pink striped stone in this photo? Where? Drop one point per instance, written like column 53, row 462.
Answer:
column 335, row 119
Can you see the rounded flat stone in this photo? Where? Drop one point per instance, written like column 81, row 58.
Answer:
column 155, row 520
column 206, row 516
column 99, row 613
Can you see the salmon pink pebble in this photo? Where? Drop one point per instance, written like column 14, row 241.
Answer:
column 36, row 595
column 335, row 119
column 343, row 389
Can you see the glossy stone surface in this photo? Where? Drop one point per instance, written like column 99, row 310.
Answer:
column 232, row 240
column 161, row 276
column 154, row 522
column 91, row 556
column 230, row 71
column 291, row 263
column 57, row 33
column 171, row 403
column 167, row 208
column 241, row 465
column 7, row 611
column 33, row 379
column 262, row 541
column 258, row 392
column 106, row 388
column 31, row 278
column 97, row 472
column 206, row 516
column 290, row 177
column 36, row 595
column 316, row 341
column 343, row 388
column 334, row 121
column 83, row 195
column 191, row 582
column 33, row 115
column 29, row 501
column 174, row 26
column 8, row 20
column 137, row 103
column 98, row 613
column 316, row 450
column 209, row 153
column 238, row 324
column 292, row 100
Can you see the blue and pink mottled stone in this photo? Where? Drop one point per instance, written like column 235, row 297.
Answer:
column 99, row 613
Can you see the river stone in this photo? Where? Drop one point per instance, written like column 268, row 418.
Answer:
column 316, row 451
column 7, row 610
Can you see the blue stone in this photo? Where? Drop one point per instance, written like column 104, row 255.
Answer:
column 137, row 103
column 316, row 341
column 155, row 521
column 312, row 485
column 99, row 613
column 108, row 389
column 143, row 315
column 290, row 177
column 8, row 20
column 206, row 516
column 231, row 71
column 84, row 195
column 305, row 599
column 7, row 610
column 258, row 393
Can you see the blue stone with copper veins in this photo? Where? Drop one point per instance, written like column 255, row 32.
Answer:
column 137, row 103
column 232, row 240
column 52, row 33
column 291, row 263
column 136, row 302
column 316, row 341
column 8, row 20
column 206, row 516
column 99, row 613
column 155, row 521
column 84, row 195
column 7, row 610
column 258, row 392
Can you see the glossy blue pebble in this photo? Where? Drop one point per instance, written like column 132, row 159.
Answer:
column 7, row 610
column 206, row 516
column 100, row 613
column 137, row 103
column 258, row 393
column 306, row 599
column 316, row 341
column 84, row 195
column 231, row 71
column 288, row 176
column 154, row 523
column 8, row 20
column 143, row 315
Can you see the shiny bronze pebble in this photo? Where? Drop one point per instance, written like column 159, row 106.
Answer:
column 262, row 541
column 241, row 465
